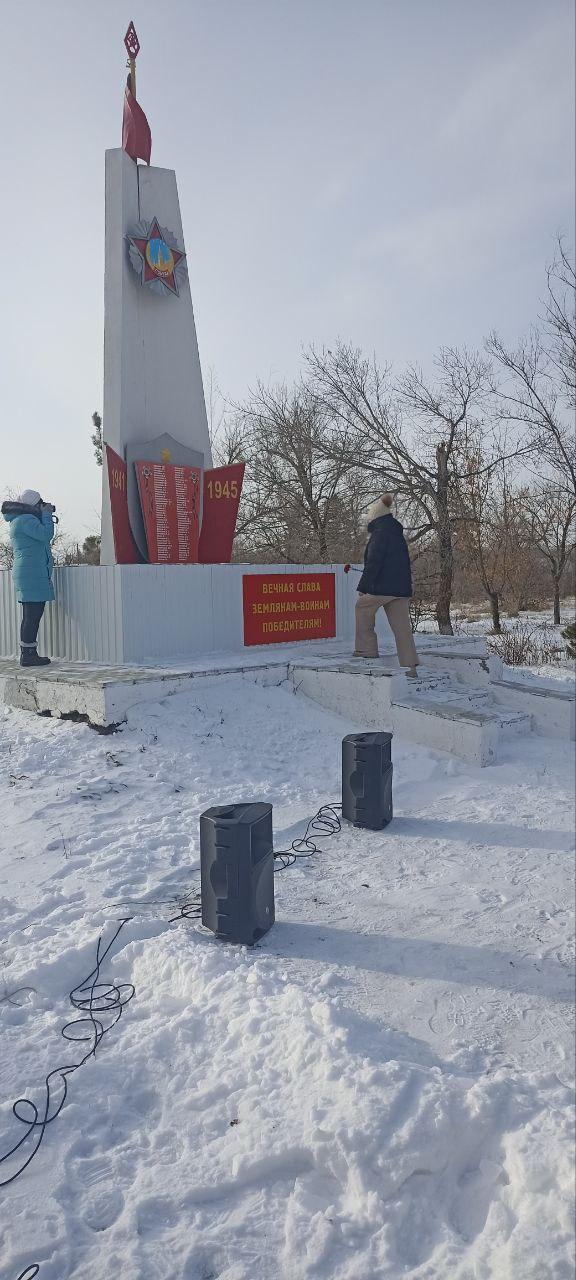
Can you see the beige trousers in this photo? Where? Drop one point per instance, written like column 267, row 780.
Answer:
column 397, row 610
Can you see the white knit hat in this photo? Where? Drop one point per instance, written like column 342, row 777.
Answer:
column 381, row 507
column 30, row 498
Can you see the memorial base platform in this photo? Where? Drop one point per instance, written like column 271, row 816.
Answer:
column 460, row 702
column 148, row 614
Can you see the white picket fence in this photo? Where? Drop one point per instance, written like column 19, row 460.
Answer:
column 140, row 613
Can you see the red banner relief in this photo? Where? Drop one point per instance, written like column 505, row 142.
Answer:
column 170, row 501
column 222, row 491
column 125, row 548
column 280, row 608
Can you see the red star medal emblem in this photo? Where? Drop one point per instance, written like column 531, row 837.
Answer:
column 159, row 258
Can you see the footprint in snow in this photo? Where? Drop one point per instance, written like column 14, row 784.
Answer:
column 90, row 1172
column 155, row 1214
column 102, row 1209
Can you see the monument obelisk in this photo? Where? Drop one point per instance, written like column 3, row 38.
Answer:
column 152, row 375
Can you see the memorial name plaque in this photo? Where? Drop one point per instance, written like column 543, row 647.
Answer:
column 170, row 498
column 282, row 607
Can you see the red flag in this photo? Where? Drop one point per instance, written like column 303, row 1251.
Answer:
column 136, row 136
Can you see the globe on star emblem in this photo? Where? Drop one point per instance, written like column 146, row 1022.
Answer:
column 159, row 256
column 155, row 257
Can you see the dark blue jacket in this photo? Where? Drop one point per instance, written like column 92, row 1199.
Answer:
column 386, row 560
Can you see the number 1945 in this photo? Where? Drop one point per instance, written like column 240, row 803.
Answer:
column 222, row 489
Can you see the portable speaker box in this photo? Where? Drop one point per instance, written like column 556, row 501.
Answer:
column 367, row 779
column 237, row 871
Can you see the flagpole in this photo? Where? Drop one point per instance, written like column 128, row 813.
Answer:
column 132, row 46
column 136, row 136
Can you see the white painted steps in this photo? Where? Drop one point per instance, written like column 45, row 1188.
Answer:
column 441, row 693
column 439, row 708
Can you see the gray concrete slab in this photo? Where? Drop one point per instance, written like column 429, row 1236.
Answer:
column 443, row 708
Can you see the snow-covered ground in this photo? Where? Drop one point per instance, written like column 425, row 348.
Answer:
column 381, row 1089
column 538, row 625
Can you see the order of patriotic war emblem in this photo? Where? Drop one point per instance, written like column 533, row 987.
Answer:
column 154, row 254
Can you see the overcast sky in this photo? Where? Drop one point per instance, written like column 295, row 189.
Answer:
column 393, row 172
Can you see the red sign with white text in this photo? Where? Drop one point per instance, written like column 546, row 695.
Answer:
column 221, row 499
column 282, row 607
column 170, row 501
column 125, row 548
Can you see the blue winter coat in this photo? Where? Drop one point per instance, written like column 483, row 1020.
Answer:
column 33, row 564
column 386, row 560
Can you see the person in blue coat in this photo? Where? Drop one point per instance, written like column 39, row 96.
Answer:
column 385, row 583
column 31, row 531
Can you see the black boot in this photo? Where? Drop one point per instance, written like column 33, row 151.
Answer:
column 29, row 657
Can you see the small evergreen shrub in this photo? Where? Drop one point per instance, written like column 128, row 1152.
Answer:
column 569, row 635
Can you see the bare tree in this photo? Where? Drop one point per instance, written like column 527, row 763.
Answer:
column 560, row 319
column 227, row 431
column 302, row 469
column 493, row 532
column 445, row 414
column 539, row 391
column 217, row 410
column 229, row 444
column 410, row 435
column 6, row 554
column 552, row 514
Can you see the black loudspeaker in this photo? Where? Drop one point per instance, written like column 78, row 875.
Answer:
column 367, row 779
column 237, row 871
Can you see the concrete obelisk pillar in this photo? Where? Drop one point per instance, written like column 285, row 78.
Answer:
column 152, row 375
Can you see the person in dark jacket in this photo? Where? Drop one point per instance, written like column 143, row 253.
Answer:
column 31, row 531
column 385, row 583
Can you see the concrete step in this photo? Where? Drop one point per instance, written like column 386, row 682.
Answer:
column 513, row 724
column 433, row 710
column 461, row 699
column 468, row 662
column 553, row 711
column 458, row 725
column 451, row 691
column 427, row 679
column 450, row 725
